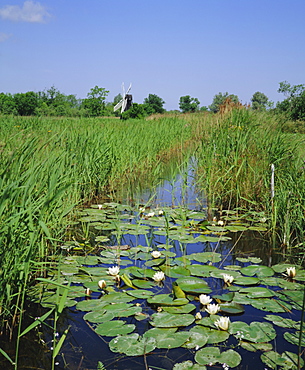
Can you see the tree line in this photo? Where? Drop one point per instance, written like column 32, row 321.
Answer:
column 52, row 102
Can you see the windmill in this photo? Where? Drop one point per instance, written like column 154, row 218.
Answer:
column 126, row 101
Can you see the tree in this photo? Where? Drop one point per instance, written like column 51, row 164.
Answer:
column 7, row 104
column 135, row 111
column 188, row 104
column 95, row 102
column 259, row 101
column 220, row 98
column 154, row 104
column 294, row 104
column 26, row 103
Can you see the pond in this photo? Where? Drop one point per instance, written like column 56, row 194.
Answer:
column 166, row 288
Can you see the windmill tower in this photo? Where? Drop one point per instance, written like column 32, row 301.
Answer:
column 126, row 102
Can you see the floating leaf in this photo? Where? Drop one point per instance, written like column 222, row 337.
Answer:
column 294, row 338
column 287, row 360
column 193, row 285
column 214, row 335
column 257, row 292
column 168, row 320
column 166, row 300
column 253, row 347
column 188, row 365
column 258, row 270
column 232, row 308
column 212, row 355
column 282, row 322
column 132, row 345
column 255, row 332
column 114, row 328
column 180, row 309
column 205, row 257
column 196, row 340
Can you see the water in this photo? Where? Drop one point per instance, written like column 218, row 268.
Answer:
column 83, row 348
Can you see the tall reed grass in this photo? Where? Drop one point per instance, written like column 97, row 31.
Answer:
column 48, row 166
column 235, row 160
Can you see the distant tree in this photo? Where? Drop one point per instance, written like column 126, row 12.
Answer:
column 117, row 99
column 154, row 104
column 188, row 104
column 26, row 103
column 220, row 98
column 294, row 104
column 95, row 102
column 135, row 111
column 259, row 101
column 7, row 104
column 204, row 109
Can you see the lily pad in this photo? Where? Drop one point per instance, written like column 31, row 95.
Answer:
column 132, row 345
column 255, row 332
column 188, row 365
column 258, row 270
column 114, row 328
column 286, row 360
column 166, row 300
column 168, row 320
column 193, row 285
column 212, row 355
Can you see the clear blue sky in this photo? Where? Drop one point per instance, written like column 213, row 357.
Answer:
column 164, row 47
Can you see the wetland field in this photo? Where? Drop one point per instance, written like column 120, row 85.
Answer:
column 172, row 242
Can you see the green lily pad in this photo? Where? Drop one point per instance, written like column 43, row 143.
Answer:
column 180, row 309
column 166, row 300
column 257, row 292
column 282, row 322
column 132, row 345
column 188, row 365
column 168, row 320
column 271, row 305
column 114, row 328
column 286, row 360
column 254, row 347
column 255, row 332
column 193, row 285
column 196, row 340
column 232, row 308
column 205, row 257
column 140, row 293
column 294, row 338
column 244, row 280
column 201, row 270
column 214, row 335
column 212, row 355
column 258, row 270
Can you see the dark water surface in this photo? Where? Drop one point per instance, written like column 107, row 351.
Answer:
column 83, row 348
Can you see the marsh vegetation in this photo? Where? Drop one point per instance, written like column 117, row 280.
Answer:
column 64, row 223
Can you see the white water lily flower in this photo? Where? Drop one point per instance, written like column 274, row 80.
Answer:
column 220, row 223
column 228, row 279
column 150, row 214
column 205, row 299
column 222, row 323
column 161, row 212
column 159, row 276
column 212, row 308
column 198, row 316
column 290, row 271
column 155, row 254
column 114, row 271
column 102, row 284
column 99, row 206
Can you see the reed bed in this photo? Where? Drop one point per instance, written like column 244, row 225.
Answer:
column 50, row 165
column 235, row 160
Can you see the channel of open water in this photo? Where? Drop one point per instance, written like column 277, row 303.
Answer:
column 83, row 347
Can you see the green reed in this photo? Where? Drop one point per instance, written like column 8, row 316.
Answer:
column 49, row 165
column 234, row 165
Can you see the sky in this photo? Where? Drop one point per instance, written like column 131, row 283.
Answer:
column 163, row 47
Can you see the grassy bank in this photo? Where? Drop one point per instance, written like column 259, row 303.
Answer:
column 49, row 165
column 235, row 161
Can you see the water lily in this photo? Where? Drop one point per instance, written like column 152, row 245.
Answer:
column 99, row 206
column 198, row 316
column 228, row 279
column 102, row 284
column 155, row 254
column 290, row 271
column 161, row 212
column 150, row 214
column 222, row 323
column 114, row 271
column 220, row 223
column 159, row 276
column 212, row 308
column 205, row 299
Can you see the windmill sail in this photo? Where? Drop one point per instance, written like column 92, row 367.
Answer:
column 126, row 101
